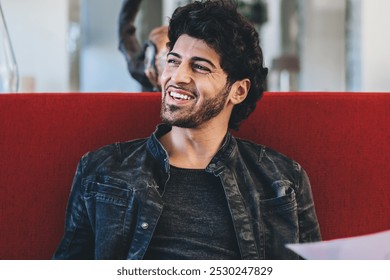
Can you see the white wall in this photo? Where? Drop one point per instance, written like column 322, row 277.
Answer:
column 102, row 66
column 322, row 54
column 38, row 31
column 269, row 41
column 375, row 45
column 168, row 8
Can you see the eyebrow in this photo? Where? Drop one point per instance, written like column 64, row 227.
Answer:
column 195, row 58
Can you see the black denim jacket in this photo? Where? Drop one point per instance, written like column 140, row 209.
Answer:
column 115, row 201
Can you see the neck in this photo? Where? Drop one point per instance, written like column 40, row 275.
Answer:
column 193, row 147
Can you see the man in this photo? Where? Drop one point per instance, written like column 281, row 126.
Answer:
column 192, row 190
column 145, row 64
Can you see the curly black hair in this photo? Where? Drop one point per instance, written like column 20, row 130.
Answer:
column 219, row 24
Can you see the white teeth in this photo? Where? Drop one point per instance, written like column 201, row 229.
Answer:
column 180, row 96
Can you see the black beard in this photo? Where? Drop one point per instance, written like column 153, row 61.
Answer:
column 210, row 108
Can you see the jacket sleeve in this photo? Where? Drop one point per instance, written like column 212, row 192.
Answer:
column 309, row 230
column 78, row 239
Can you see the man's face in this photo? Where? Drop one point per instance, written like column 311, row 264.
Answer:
column 194, row 86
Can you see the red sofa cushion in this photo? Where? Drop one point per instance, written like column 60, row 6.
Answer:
column 341, row 139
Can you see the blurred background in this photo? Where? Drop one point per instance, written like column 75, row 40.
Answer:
column 309, row 45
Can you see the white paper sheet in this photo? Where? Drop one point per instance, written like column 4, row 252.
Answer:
column 366, row 247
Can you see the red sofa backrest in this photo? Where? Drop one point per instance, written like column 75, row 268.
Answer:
column 341, row 139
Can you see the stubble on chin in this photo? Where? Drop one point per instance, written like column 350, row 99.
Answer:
column 192, row 118
column 168, row 117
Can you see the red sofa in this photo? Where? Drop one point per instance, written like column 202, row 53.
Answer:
column 341, row 139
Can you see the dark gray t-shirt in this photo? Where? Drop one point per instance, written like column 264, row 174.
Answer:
column 196, row 221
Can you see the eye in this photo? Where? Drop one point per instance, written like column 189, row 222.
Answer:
column 201, row 68
column 172, row 61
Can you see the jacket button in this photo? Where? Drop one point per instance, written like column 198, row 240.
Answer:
column 144, row 225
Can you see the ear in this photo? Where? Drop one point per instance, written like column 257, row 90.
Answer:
column 239, row 91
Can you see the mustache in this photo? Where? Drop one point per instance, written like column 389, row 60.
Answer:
column 186, row 88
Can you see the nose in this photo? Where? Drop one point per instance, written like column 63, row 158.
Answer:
column 181, row 74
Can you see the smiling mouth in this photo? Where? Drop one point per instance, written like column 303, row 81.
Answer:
column 179, row 96
column 179, row 93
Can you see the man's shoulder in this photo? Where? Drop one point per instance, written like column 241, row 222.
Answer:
column 113, row 152
column 262, row 153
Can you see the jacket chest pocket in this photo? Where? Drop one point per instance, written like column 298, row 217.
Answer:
column 281, row 208
column 280, row 221
column 108, row 205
